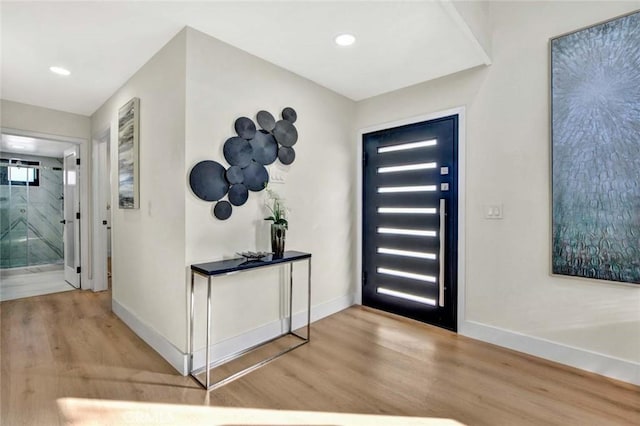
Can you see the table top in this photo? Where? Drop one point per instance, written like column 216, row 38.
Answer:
column 221, row 267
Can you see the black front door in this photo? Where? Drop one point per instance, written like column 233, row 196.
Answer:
column 410, row 220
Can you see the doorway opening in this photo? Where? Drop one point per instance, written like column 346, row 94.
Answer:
column 410, row 220
column 39, row 210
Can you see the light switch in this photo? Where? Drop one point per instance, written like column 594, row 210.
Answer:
column 493, row 211
column 276, row 175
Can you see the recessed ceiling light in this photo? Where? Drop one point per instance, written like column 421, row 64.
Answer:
column 59, row 70
column 345, row 40
column 14, row 146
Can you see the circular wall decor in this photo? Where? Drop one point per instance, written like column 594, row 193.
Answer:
column 245, row 128
column 247, row 154
column 207, row 180
column 222, row 210
column 289, row 114
column 238, row 194
column 285, row 133
column 265, row 148
column 286, row 155
column 255, row 177
column 237, row 151
column 266, row 120
column 234, row 175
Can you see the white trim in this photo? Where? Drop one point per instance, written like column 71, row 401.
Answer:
column 39, row 135
column 615, row 368
column 179, row 359
column 85, row 195
column 462, row 200
column 158, row 342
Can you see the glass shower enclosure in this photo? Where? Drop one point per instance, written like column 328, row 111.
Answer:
column 31, row 211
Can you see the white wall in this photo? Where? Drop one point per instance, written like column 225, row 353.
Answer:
column 190, row 94
column 148, row 243
column 32, row 120
column 508, row 283
column 15, row 115
column 224, row 83
column 192, row 91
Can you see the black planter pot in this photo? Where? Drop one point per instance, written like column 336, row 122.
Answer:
column 278, row 235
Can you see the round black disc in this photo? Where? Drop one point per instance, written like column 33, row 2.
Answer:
column 238, row 194
column 266, row 120
column 289, row 114
column 265, row 148
column 234, row 175
column 245, row 128
column 207, row 180
column 285, row 133
column 255, row 177
column 222, row 210
column 286, row 155
column 237, row 151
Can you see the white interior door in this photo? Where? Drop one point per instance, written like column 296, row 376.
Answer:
column 102, row 194
column 71, row 218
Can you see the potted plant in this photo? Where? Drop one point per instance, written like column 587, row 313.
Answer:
column 278, row 211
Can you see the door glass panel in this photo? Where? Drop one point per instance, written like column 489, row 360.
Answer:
column 418, row 188
column 406, row 296
column 45, row 214
column 14, row 233
column 407, row 210
column 412, row 232
column 406, row 146
column 407, row 167
column 407, row 253
column 70, row 203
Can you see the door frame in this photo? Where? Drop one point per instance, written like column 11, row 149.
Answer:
column 462, row 246
column 100, row 278
column 84, row 182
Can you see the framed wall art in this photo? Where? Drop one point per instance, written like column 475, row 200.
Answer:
column 128, row 167
column 595, row 138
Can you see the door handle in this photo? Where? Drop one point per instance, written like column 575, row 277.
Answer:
column 63, row 221
column 441, row 255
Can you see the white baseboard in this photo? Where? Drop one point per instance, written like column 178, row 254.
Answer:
column 219, row 350
column 268, row 331
column 619, row 369
column 615, row 368
column 158, row 342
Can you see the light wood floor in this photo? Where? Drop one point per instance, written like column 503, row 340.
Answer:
column 70, row 345
column 30, row 284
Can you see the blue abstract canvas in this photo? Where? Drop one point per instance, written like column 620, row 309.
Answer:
column 595, row 95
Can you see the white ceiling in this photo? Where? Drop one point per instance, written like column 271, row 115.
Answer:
column 399, row 43
column 14, row 144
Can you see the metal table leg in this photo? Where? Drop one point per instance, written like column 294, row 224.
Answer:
column 191, row 327
column 290, row 297
column 208, row 364
column 309, row 303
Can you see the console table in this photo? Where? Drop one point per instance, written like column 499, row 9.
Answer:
column 229, row 267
